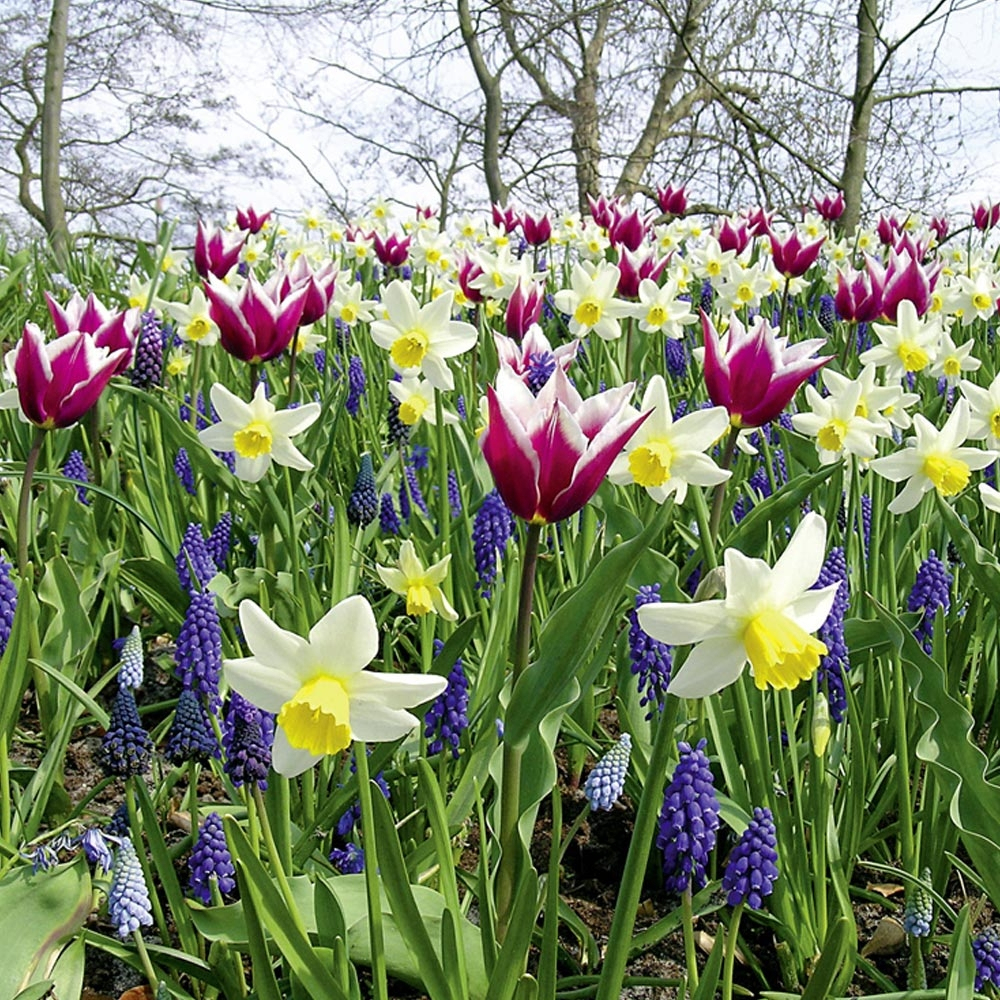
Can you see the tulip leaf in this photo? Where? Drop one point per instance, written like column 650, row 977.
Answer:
column 961, row 963
column 14, row 662
column 980, row 562
column 39, row 914
column 946, row 745
column 571, row 634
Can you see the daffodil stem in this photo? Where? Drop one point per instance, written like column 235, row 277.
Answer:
column 904, row 806
column 720, row 491
column 510, row 799
column 195, row 380
column 444, row 507
column 732, row 936
column 627, row 904
column 24, row 502
column 380, row 988
column 275, row 858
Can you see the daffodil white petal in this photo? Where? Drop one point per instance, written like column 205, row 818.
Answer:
column 264, row 685
column 289, row 760
column 348, row 634
column 798, row 567
column 285, row 453
column 394, row 579
column 270, row 643
column 812, row 608
column 395, row 690
column 218, row 437
column 229, row 407
column 680, row 624
column 372, row 722
column 711, row 666
column 990, row 497
column 252, row 470
column 292, row 422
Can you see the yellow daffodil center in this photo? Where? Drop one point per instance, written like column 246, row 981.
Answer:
column 995, row 423
column 178, row 364
column 650, row 463
column 861, row 410
column 781, row 652
column 409, row 350
column 198, row 327
column 952, row 366
column 744, row 293
column 253, row 440
column 412, row 410
column 433, row 256
column 981, row 301
column 588, row 313
column 913, row 356
column 713, row 268
column 318, row 717
column 656, row 316
column 832, row 434
column 348, row 314
column 949, row 475
column 418, row 598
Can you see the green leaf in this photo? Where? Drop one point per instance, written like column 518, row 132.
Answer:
column 39, row 913
column 14, row 663
column 835, row 949
column 961, row 961
column 948, row 748
column 157, row 584
column 514, row 953
column 69, row 632
column 709, row 980
column 980, row 562
column 571, row 634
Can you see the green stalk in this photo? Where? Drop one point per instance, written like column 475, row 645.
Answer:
column 731, row 940
column 380, row 988
column 690, row 955
column 627, row 904
column 510, row 799
column 274, row 857
column 904, row 804
column 720, row 490
column 24, row 502
column 444, row 510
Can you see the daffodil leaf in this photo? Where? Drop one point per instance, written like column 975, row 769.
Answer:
column 961, row 963
column 14, row 662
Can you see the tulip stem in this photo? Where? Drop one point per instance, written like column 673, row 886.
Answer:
column 291, row 368
column 373, row 891
column 510, row 800
column 720, row 490
column 24, row 501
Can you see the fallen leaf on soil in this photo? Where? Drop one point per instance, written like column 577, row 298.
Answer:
column 887, row 889
column 889, row 938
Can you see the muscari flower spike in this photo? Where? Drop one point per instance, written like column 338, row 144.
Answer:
column 388, row 520
column 651, row 660
column 147, row 368
column 190, row 737
column 835, row 662
column 211, row 859
column 492, row 528
column 688, row 820
column 8, row 604
column 606, row 781
column 986, row 951
column 931, row 590
column 130, row 660
column 362, row 505
column 220, row 539
column 76, row 469
column 753, row 865
column 919, row 913
column 184, row 472
column 198, row 656
column 247, row 735
column 126, row 747
column 195, row 566
column 129, row 907
column 446, row 719
column 356, row 383
column 348, row 860
column 454, row 494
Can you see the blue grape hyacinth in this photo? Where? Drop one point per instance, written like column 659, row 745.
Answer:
column 190, row 737
column 198, row 656
column 606, row 782
column 130, row 661
column 688, row 820
column 651, row 660
column 129, row 907
column 8, row 604
column 835, row 663
column 918, row 914
column 445, row 720
column 247, row 735
column 211, row 859
column 931, row 590
column 76, row 469
column 126, row 748
column 753, row 865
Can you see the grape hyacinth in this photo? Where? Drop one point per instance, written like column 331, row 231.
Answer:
column 95, row 848
column 388, row 520
column 688, row 820
column 195, row 567
column 826, row 314
column 76, row 469
column 930, row 592
column 220, row 540
column 190, row 737
column 8, row 604
column 319, row 360
column 348, row 860
column 118, row 824
column 651, row 660
column 246, row 741
column 676, row 356
column 986, row 951
column 184, row 412
column 753, row 865
column 198, row 656
column 356, row 384
column 211, row 859
column 362, row 505
column 446, row 719
column 540, row 367
column 454, row 494
column 352, row 816
column 126, row 747
column 410, row 486
column 128, row 898
column 130, row 660
column 919, row 912
column 184, row 472
column 491, row 530
column 606, row 781
column 835, row 663
column 399, row 433
column 147, row 368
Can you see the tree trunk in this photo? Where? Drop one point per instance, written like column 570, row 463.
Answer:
column 586, row 140
column 853, row 177
column 55, row 70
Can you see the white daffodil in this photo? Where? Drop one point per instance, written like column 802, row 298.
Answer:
column 348, row 306
column 990, row 497
column 666, row 456
column 420, row 338
column 416, row 402
column 258, row 432
column 741, row 285
column 836, row 424
column 318, row 687
column 765, row 618
column 884, row 405
column 976, row 297
column 908, row 345
column 421, row 587
column 984, row 422
column 660, row 311
column 193, row 321
column 590, row 301
column 935, row 459
column 952, row 361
